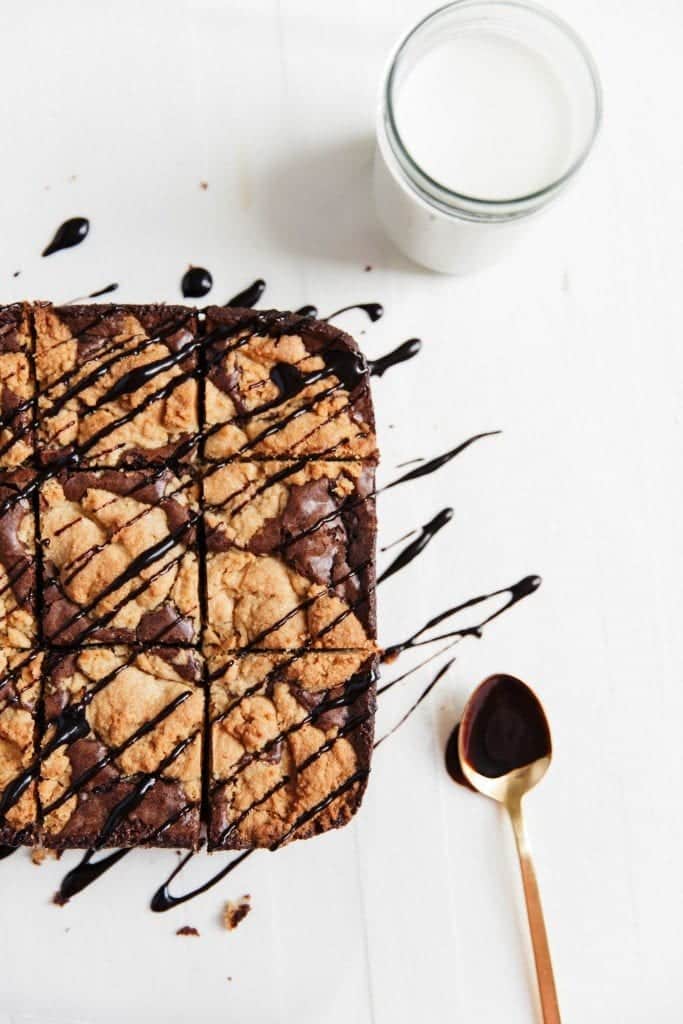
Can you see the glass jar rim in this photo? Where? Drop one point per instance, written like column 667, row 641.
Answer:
column 460, row 204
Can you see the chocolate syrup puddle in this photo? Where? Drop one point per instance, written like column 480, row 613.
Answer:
column 196, row 283
column 425, row 468
column 408, row 350
column 452, row 760
column 427, row 534
column 71, row 232
column 248, row 298
column 374, row 310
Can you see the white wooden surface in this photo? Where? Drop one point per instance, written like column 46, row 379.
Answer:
column 573, row 348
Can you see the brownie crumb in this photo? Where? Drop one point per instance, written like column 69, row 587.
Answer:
column 368, row 268
column 16, row 273
column 187, row 929
column 203, row 185
column 235, row 912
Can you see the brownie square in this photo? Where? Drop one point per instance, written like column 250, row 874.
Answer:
column 18, row 622
column 291, row 739
column 282, row 385
column 17, row 388
column 120, row 563
column 117, row 384
column 291, row 549
column 19, row 692
column 122, row 748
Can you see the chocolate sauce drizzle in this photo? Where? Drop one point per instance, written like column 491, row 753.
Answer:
column 71, row 232
column 425, row 468
column 408, row 350
column 427, row 534
column 311, row 311
column 373, row 310
column 196, row 283
column 248, row 298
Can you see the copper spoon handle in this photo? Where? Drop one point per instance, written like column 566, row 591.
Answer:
column 539, row 937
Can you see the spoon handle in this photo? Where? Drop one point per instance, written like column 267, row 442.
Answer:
column 539, row 937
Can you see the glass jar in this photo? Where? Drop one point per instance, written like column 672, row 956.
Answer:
column 429, row 218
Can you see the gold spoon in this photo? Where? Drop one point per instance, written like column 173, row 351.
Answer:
column 505, row 750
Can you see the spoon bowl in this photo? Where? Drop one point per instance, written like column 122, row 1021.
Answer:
column 504, row 739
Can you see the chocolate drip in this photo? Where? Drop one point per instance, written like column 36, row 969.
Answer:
column 85, row 873
column 427, row 533
column 425, row 468
column 311, row 311
column 7, row 851
column 196, row 283
column 250, row 296
column 408, row 350
column 374, row 310
column 71, row 232
column 164, row 899
column 107, row 290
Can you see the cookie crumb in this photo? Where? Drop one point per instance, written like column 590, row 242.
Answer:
column 203, row 185
column 235, row 912
column 39, row 854
column 187, row 929
column 368, row 268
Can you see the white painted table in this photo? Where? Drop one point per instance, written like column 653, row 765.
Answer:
column 573, row 348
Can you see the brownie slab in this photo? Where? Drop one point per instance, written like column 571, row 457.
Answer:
column 120, row 559
column 117, row 384
column 282, row 385
column 130, row 771
column 18, row 624
column 17, row 386
column 291, row 739
column 19, row 692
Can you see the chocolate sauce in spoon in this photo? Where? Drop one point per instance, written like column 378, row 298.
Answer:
column 71, row 232
column 504, row 728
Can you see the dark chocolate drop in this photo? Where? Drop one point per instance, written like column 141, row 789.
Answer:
column 196, row 282
column 71, row 232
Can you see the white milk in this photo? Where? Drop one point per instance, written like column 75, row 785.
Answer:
column 485, row 116
column 488, row 110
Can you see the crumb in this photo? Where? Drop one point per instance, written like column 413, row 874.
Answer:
column 368, row 268
column 203, row 185
column 46, row 187
column 229, row 979
column 16, row 273
column 234, row 913
column 187, row 929
column 39, row 854
column 72, row 178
